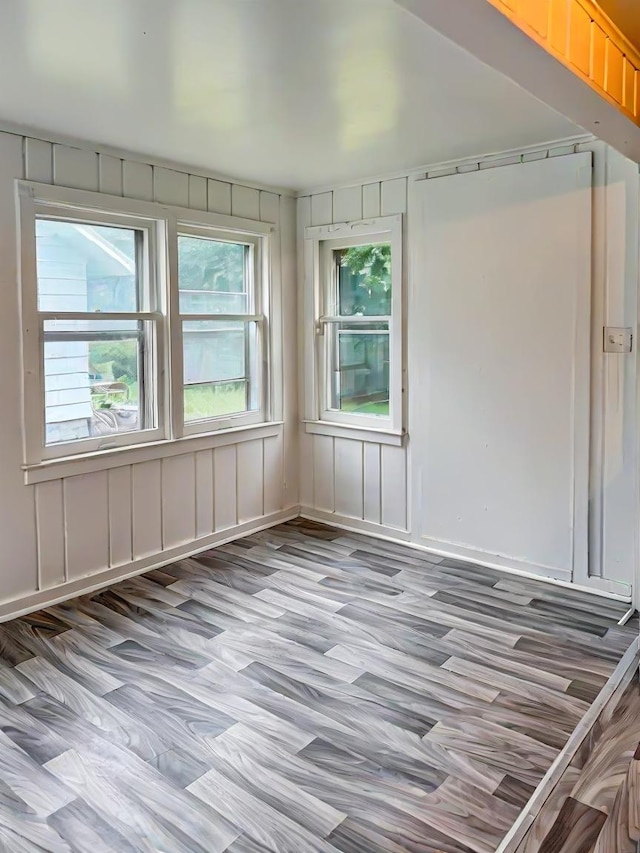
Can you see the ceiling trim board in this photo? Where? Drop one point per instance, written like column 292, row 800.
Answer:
column 578, row 139
column 28, row 132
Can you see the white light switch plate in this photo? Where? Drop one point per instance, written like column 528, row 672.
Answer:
column 617, row 339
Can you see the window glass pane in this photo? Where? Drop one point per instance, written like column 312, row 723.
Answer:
column 84, row 267
column 359, row 368
column 219, row 363
column 212, row 276
column 364, row 280
column 92, row 380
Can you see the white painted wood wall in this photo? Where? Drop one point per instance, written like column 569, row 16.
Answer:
column 353, row 480
column 64, row 535
column 369, row 486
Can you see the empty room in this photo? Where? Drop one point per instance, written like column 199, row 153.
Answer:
column 319, row 470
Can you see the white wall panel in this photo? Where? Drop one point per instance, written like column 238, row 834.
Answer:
column 500, row 430
column 204, row 492
column 288, row 271
column 269, row 207
column 197, row 192
column 347, row 204
column 348, row 478
column 322, row 209
column 273, row 467
column 372, row 497
column 110, row 174
column 394, row 196
column 120, row 516
column 17, row 504
column 170, row 187
column 147, row 508
column 39, row 161
column 245, row 202
column 225, row 493
column 178, row 500
column 307, row 469
column 86, row 512
column 218, row 196
column 250, row 480
column 50, row 521
column 75, row 167
column 137, row 180
column 370, row 200
column 323, row 473
column 393, row 477
column 78, row 527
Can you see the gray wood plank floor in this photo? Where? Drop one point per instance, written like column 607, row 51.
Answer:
column 595, row 807
column 299, row 691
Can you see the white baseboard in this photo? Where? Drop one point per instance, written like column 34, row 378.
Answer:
column 619, row 680
column 477, row 558
column 455, row 551
column 356, row 525
column 83, row 586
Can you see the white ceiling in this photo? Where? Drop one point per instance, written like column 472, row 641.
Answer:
column 293, row 93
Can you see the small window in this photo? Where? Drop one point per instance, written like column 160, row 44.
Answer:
column 98, row 333
column 222, row 329
column 359, row 349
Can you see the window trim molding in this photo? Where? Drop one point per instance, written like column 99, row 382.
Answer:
column 162, row 222
column 104, row 460
column 318, row 240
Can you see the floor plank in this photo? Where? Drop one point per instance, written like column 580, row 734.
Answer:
column 307, row 689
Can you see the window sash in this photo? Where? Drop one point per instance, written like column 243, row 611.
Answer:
column 256, row 380
column 149, row 392
column 254, row 275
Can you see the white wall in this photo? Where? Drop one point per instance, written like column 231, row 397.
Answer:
column 503, row 297
column 370, row 486
column 62, row 536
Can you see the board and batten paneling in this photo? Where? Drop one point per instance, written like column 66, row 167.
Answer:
column 391, row 482
column 108, row 519
column 108, row 523
column 349, row 479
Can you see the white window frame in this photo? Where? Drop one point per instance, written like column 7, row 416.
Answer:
column 161, row 224
column 321, row 243
column 259, row 315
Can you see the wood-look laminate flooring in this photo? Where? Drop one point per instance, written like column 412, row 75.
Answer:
column 595, row 806
column 303, row 690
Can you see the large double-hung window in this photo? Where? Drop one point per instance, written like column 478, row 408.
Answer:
column 140, row 323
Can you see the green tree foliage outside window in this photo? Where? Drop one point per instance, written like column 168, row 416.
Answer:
column 365, row 280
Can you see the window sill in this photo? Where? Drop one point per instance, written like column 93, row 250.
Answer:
column 102, row 460
column 376, row 436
